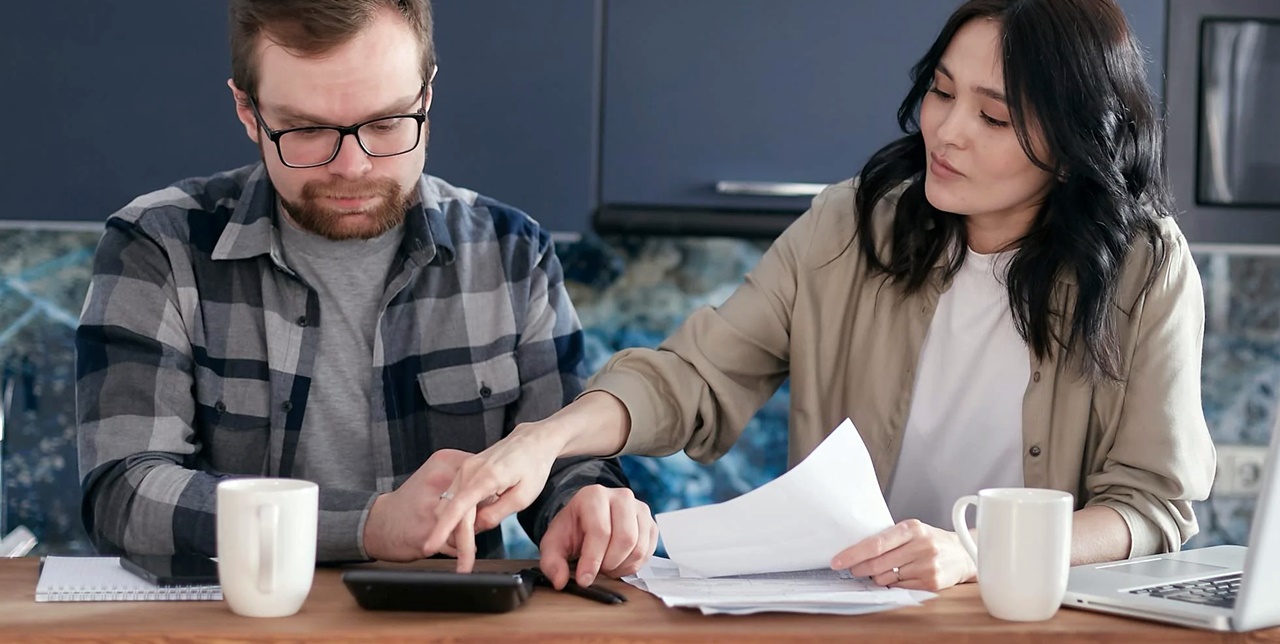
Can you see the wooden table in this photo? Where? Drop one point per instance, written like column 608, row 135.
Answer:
column 331, row 615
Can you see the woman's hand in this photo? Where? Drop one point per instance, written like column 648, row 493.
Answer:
column 509, row 475
column 911, row 555
column 501, row 480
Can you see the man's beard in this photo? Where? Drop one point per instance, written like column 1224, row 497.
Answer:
column 386, row 214
column 341, row 225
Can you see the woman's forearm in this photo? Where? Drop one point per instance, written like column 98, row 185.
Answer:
column 596, row 424
column 1098, row 533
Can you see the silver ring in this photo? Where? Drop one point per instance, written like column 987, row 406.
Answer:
column 898, row 575
column 446, row 496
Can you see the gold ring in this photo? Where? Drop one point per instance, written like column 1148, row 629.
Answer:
column 897, row 574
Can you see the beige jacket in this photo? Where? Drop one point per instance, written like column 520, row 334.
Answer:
column 850, row 344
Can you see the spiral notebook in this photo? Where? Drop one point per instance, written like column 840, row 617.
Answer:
column 101, row 579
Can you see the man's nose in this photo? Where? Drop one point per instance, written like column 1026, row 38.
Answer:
column 351, row 162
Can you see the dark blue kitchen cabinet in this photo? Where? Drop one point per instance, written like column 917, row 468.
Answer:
column 637, row 111
column 699, row 92
column 108, row 100
column 714, row 108
column 104, row 101
column 516, row 104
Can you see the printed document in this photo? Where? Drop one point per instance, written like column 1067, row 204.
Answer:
column 798, row 521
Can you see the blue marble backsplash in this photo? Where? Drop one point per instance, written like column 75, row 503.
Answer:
column 628, row 292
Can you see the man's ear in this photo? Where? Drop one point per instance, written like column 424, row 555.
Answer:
column 243, row 112
column 430, row 91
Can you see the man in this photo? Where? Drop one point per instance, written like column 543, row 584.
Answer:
column 332, row 314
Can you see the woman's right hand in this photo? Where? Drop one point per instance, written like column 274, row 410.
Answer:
column 509, row 475
column 501, row 480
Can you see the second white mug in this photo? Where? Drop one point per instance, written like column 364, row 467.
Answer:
column 1023, row 550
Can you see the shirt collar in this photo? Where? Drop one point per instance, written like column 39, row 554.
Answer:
column 427, row 235
column 253, row 229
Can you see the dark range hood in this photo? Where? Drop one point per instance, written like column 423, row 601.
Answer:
column 689, row 222
column 774, row 206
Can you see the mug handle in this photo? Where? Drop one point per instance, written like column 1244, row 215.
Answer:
column 962, row 524
column 268, row 521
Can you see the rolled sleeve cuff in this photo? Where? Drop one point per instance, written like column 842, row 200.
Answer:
column 364, row 518
column 1145, row 537
column 636, row 395
column 340, row 533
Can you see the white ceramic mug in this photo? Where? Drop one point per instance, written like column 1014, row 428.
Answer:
column 1023, row 551
column 266, row 544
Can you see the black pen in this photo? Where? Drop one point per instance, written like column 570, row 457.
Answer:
column 602, row 595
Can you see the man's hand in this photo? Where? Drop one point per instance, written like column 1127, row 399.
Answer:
column 608, row 530
column 912, row 555
column 399, row 521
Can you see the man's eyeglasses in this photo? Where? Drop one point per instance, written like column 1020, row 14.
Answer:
column 314, row 146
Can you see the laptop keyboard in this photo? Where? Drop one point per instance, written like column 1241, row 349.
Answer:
column 1214, row 591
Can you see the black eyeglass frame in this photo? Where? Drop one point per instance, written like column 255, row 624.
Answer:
column 354, row 130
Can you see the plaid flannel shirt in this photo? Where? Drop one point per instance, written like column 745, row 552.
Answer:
column 196, row 348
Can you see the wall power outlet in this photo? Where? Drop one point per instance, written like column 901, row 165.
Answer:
column 1240, row 470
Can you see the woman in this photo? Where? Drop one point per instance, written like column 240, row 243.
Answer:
column 1002, row 299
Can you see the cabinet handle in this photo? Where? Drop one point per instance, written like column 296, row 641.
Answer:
column 769, row 188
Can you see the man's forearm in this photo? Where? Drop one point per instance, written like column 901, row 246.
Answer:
column 172, row 510
column 152, row 507
column 1098, row 534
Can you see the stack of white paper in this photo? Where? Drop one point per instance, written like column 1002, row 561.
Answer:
column 770, row 549
column 811, row 591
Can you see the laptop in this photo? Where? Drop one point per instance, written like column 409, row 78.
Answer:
column 1222, row 588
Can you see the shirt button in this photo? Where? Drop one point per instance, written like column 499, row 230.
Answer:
column 302, row 320
column 286, row 406
column 1035, row 377
column 485, row 391
column 1034, row 451
column 219, row 407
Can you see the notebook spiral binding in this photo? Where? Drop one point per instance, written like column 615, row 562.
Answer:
column 132, row 594
column 121, row 594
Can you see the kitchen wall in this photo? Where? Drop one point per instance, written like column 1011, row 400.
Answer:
column 629, row 292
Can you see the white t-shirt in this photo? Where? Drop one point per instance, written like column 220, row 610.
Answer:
column 964, row 431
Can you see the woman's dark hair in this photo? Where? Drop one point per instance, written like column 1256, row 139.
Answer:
column 1074, row 70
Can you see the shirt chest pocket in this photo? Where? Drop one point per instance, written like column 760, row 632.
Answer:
column 467, row 404
column 233, row 423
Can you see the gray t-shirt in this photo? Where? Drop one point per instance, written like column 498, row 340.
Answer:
column 335, row 447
